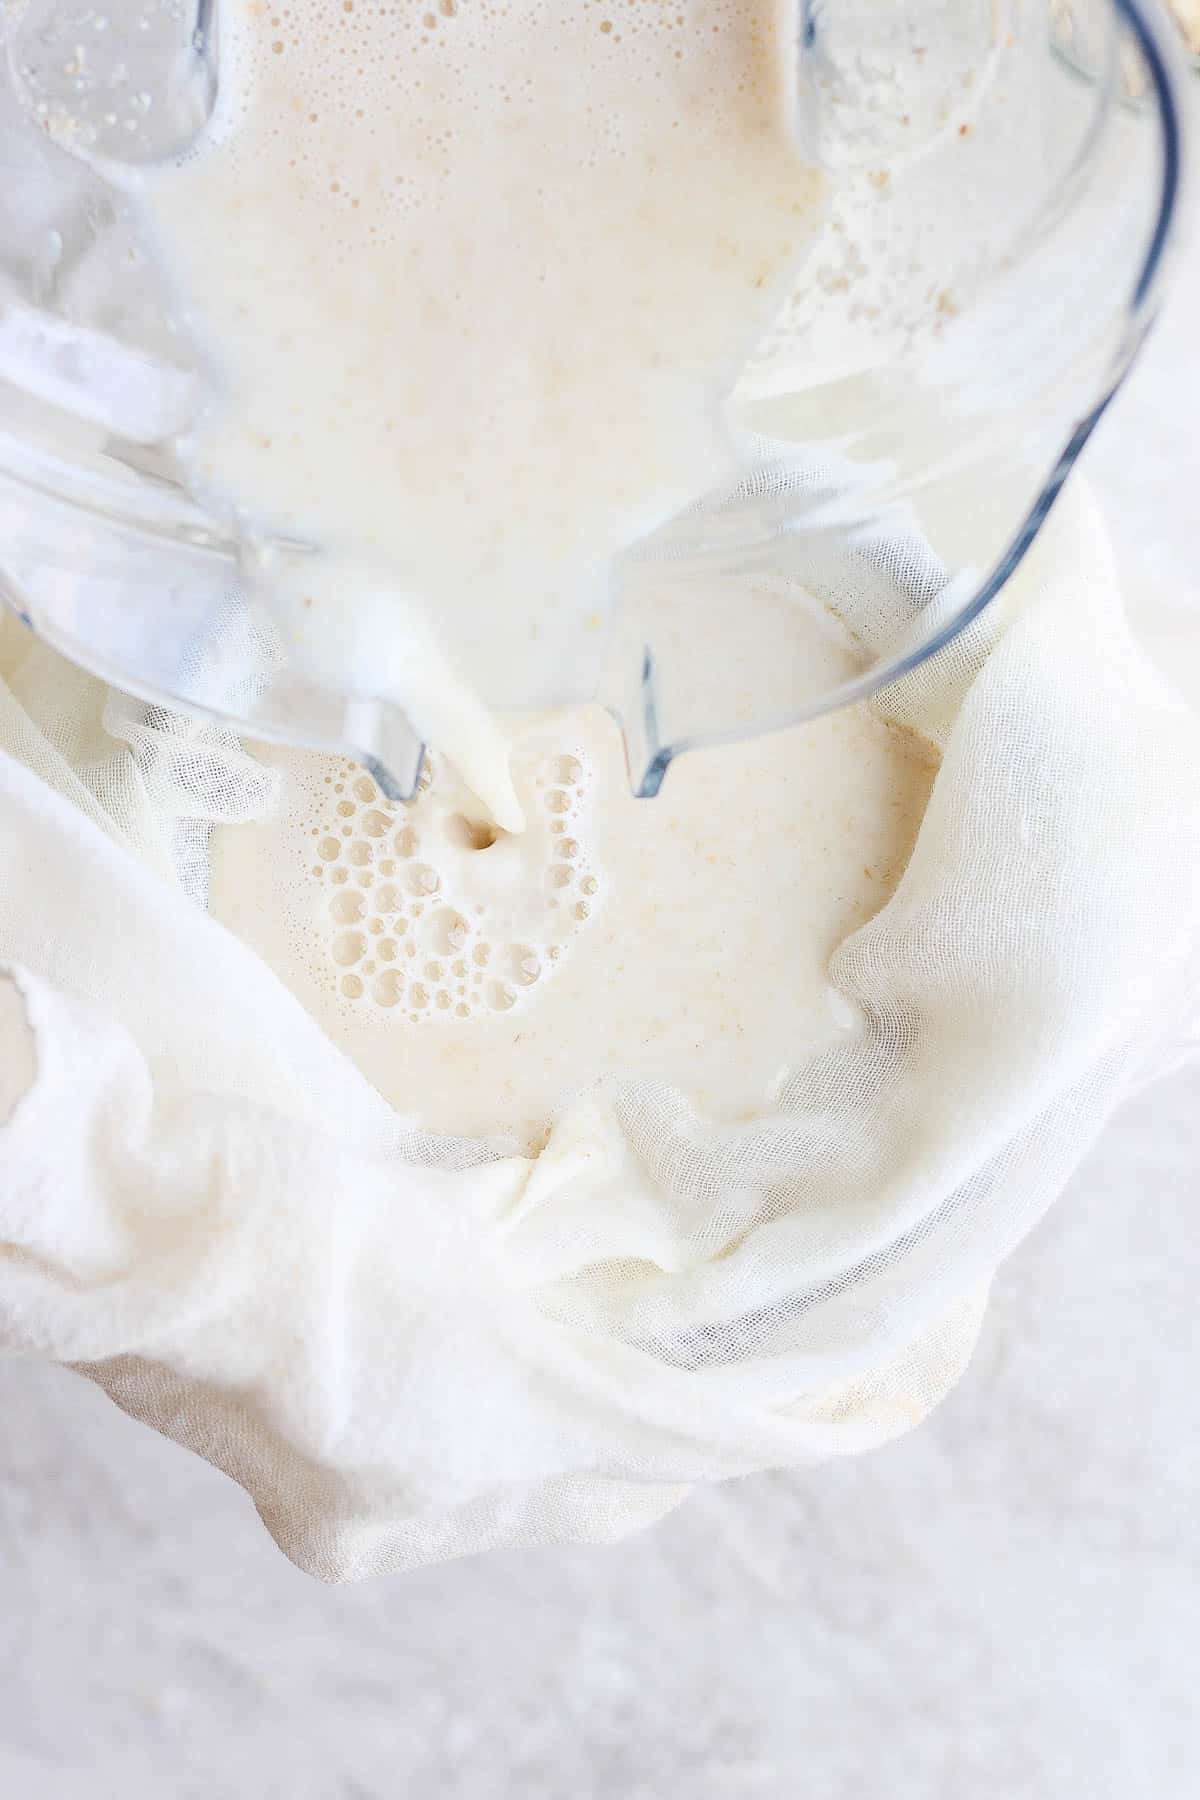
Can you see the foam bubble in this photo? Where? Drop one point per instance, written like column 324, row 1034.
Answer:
column 348, row 947
column 387, row 989
column 479, row 933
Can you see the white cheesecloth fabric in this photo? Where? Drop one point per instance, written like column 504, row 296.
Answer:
column 406, row 1348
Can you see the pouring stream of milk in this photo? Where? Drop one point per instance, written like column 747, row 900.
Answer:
column 475, row 279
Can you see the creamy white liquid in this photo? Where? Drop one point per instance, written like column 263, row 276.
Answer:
column 476, row 278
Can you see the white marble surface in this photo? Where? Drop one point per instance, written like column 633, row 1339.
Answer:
column 1003, row 1605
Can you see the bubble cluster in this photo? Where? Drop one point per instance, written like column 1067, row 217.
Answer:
column 360, row 67
column 407, row 926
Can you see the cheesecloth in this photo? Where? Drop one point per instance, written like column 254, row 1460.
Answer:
column 408, row 1348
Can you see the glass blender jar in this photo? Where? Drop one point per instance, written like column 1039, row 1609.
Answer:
column 988, row 263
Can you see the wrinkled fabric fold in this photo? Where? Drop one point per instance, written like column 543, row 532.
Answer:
column 407, row 1348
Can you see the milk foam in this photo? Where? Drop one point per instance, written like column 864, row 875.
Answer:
column 429, row 908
